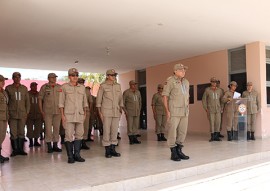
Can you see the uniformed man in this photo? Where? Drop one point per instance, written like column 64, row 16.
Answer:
column 132, row 106
column 109, row 102
column 221, row 118
column 19, row 107
column 87, row 117
column 48, row 105
column 176, row 102
column 73, row 104
column 230, row 112
column 253, row 107
column 34, row 120
column 3, row 116
column 159, row 113
column 212, row 103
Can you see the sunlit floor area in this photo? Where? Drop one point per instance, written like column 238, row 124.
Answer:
column 141, row 166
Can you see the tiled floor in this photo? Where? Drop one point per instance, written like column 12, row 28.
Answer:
column 140, row 166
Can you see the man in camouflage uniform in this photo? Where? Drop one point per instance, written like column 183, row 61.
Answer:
column 73, row 104
column 109, row 102
column 159, row 113
column 253, row 107
column 19, row 107
column 213, row 106
column 3, row 116
column 176, row 102
column 34, row 120
column 87, row 117
column 48, row 105
column 132, row 106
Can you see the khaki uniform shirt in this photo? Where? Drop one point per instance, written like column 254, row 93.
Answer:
column 73, row 100
column 212, row 100
column 50, row 98
column 19, row 104
column 157, row 102
column 229, row 107
column 34, row 109
column 253, row 102
column 89, row 99
column 132, row 102
column 177, row 92
column 110, row 99
column 3, row 106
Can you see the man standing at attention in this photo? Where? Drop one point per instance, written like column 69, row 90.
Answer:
column 253, row 107
column 176, row 102
column 109, row 103
column 48, row 105
column 212, row 104
column 19, row 107
column 132, row 106
column 73, row 104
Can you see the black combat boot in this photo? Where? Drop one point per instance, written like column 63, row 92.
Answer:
column 14, row 145
column 252, row 137
column 31, row 142
column 113, row 152
column 49, row 144
column 229, row 133
column 36, row 143
column 108, row 152
column 174, row 155
column 135, row 140
column 84, row 146
column 235, row 135
column 77, row 149
column 248, row 136
column 216, row 136
column 69, row 148
column 212, row 137
column 55, row 147
column 131, row 139
column 163, row 138
column 62, row 139
column 180, row 153
column 2, row 158
column 21, row 146
column 158, row 137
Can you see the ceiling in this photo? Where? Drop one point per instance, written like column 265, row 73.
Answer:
column 124, row 34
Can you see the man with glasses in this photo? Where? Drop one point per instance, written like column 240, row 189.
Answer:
column 19, row 107
column 109, row 103
column 48, row 105
column 159, row 113
column 132, row 106
column 73, row 104
column 212, row 103
column 176, row 102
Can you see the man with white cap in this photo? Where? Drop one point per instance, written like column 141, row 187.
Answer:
column 19, row 107
column 176, row 102
column 73, row 104
column 253, row 107
column 132, row 106
column 48, row 105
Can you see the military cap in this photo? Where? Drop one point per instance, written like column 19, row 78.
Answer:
column 233, row 83
column 2, row 78
column 132, row 82
column 81, row 80
column 180, row 66
column 52, row 75
column 111, row 72
column 16, row 74
column 213, row 79
column 72, row 71
column 249, row 84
